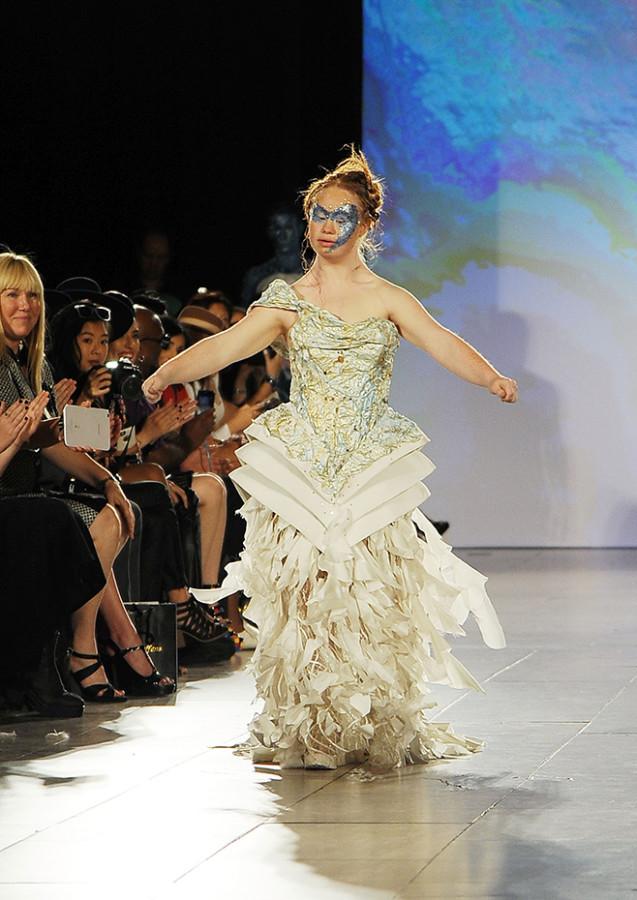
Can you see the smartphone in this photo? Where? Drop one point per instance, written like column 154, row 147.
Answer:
column 206, row 400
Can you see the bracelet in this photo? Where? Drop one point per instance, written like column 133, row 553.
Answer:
column 112, row 477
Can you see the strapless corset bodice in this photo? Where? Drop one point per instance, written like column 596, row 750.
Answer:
column 338, row 420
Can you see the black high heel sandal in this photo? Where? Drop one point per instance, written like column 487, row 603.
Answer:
column 197, row 621
column 97, row 693
column 136, row 685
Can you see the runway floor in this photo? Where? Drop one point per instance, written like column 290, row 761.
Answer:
column 147, row 801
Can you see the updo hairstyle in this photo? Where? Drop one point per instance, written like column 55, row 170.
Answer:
column 352, row 174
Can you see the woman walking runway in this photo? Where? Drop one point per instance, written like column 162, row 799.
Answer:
column 352, row 604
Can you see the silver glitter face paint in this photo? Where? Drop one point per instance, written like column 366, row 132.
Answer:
column 346, row 218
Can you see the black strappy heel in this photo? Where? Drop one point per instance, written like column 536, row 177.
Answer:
column 199, row 623
column 96, row 693
column 137, row 685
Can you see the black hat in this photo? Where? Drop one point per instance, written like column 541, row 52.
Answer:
column 81, row 288
column 55, row 301
column 122, row 312
column 151, row 300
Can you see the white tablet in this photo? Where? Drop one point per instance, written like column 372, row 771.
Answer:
column 87, row 427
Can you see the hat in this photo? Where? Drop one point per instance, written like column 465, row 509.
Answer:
column 196, row 317
column 81, row 288
column 151, row 300
column 55, row 301
column 122, row 312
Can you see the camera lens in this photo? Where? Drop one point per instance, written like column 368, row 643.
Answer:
column 126, row 379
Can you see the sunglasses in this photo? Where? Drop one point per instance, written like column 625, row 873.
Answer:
column 85, row 311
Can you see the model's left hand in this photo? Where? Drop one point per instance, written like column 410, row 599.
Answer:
column 504, row 388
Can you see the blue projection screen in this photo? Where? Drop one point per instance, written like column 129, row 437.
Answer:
column 507, row 135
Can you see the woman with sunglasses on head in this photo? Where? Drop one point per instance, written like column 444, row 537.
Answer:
column 84, row 336
column 24, row 370
column 79, row 347
column 352, row 605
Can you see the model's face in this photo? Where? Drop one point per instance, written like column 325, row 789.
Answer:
column 91, row 345
column 335, row 222
column 177, row 344
column 20, row 311
column 127, row 346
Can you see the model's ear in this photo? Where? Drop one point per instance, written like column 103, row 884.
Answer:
column 363, row 227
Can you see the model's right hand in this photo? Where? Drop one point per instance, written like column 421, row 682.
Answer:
column 153, row 389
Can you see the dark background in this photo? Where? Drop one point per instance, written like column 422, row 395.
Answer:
column 179, row 115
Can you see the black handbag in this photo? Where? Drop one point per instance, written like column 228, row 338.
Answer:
column 156, row 624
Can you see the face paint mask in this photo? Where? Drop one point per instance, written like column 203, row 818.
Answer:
column 345, row 217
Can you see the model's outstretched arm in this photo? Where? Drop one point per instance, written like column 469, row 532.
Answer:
column 418, row 327
column 253, row 333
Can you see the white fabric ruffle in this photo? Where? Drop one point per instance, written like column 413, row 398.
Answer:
column 352, row 607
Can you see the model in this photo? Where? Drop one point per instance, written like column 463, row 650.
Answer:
column 351, row 603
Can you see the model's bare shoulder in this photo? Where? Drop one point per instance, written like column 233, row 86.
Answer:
column 395, row 299
column 284, row 317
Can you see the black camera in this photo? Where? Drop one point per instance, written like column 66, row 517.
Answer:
column 126, row 378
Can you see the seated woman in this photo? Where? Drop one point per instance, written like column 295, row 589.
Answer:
column 41, row 539
column 169, row 452
column 23, row 371
column 226, row 424
column 80, row 348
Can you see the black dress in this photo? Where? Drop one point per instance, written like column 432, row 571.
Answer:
column 48, row 569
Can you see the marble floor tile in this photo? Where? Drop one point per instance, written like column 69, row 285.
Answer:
column 548, row 808
column 511, row 867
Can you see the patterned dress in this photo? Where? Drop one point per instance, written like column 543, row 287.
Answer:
column 352, row 605
column 22, row 475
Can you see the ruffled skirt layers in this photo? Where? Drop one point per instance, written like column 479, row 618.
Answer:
column 351, row 627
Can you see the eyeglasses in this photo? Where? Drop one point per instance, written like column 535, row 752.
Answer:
column 86, row 311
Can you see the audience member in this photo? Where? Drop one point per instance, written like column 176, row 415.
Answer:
column 23, row 372
column 284, row 228
column 153, row 258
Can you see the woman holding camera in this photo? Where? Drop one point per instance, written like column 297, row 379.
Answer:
column 86, row 336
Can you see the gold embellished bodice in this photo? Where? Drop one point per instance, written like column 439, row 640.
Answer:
column 338, row 420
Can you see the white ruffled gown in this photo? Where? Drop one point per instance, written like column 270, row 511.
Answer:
column 351, row 605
